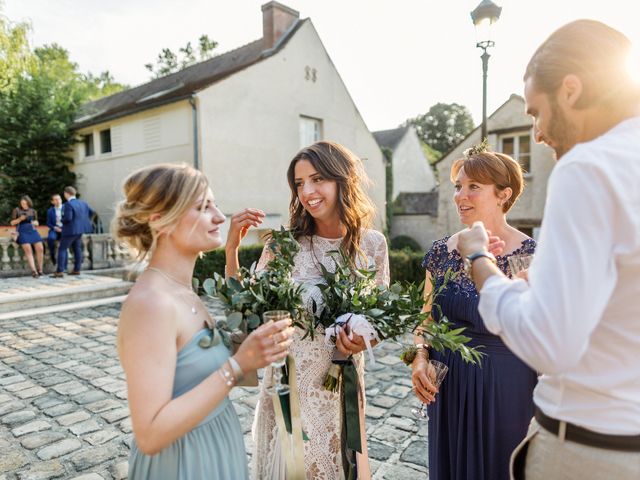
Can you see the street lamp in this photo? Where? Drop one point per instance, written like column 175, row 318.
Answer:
column 484, row 16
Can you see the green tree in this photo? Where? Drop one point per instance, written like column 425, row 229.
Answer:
column 169, row 62
column 35, row 140
column 54, row 62
column 15, row 54
column 40, row 93
column 443, row 126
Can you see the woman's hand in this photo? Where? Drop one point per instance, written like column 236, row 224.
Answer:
column 265, row 345
column 353, row 346
column 421, row 377
column 240, row 224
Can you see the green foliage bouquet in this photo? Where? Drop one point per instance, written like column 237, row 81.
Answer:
column 390, row 311
column 251, row 293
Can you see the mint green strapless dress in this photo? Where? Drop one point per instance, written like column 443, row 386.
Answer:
column 215, row 448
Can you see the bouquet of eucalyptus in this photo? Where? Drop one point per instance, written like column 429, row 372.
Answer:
column 350, row 292
column 253, row 292
column 391, row 311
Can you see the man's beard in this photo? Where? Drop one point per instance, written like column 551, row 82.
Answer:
column 561, row 133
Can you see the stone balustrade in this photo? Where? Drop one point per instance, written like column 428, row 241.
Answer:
column 100, row 251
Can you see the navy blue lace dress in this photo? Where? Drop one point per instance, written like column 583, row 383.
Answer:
column 481, row 413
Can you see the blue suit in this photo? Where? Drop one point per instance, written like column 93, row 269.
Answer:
column 53, row 235
column 76, row 220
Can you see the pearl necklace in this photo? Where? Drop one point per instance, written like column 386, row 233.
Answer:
column 194, row 310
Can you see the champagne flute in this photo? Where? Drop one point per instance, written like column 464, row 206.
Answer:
column 518, row 263
column 436, row 371
column 279, row 387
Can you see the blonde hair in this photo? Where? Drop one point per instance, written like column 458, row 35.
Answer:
column 337, row 163
column 165, row 189
column 492, row 168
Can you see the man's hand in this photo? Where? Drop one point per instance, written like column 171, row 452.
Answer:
column 475, row 239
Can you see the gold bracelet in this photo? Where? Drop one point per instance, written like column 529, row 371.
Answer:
column 423, row 347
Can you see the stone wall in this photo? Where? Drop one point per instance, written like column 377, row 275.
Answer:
column 100, row 251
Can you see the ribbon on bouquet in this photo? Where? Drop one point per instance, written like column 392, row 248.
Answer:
column 359, row 325
column 289, row 422
column 351, row 436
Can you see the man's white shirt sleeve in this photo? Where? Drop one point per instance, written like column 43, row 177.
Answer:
column 548, row 322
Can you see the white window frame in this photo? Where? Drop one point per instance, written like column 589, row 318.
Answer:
column 516, row 147
column 103, row 153
column 306, row 136
column 93, row 145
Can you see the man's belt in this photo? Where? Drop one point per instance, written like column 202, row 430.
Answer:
column 573, row 433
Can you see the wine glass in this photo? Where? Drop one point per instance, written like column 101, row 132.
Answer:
column 279, row 387
column 436, row 371
column 518, row 263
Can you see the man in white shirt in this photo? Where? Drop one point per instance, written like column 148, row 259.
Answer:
column 577, row 320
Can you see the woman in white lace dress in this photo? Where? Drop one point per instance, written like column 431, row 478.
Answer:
column 329, row 210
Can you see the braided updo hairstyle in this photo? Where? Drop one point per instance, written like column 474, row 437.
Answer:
column 165, row 189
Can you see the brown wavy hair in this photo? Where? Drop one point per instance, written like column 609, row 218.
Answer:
column 336, row 163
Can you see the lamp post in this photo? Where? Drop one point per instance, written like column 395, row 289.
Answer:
column 484, row 16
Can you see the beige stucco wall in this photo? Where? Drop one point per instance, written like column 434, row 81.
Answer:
column 159, row 135
column 530, row 205
column 250, row 127
column 422, row 228
column 411, row 170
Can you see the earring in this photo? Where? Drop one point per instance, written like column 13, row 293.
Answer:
column 500, row 204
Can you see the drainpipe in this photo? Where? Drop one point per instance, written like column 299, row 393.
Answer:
column 194, row 111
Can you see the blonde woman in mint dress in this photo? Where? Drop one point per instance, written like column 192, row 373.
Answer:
column 178, row 381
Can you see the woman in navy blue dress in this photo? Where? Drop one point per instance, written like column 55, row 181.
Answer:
column 480, row 413
column 25, row 218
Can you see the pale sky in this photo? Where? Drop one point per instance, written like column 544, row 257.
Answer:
column 397, row 58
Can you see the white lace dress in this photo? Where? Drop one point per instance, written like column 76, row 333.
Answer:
column 320, row 409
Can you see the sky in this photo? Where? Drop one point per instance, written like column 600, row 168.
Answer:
column 397, row 58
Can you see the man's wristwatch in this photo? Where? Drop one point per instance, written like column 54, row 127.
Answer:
column 469, row 259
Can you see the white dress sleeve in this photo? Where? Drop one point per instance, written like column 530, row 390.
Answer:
column 375, row 247
column 265, row 257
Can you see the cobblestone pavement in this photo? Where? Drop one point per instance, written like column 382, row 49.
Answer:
column 63, row 402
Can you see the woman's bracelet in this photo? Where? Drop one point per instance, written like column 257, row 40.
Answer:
column 227, row 375
column 411, row 352
column 237, row 371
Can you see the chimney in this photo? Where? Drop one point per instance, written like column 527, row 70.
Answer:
column 276, row 20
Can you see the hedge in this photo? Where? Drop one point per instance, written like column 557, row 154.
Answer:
column 404, row 264
column 214, row 261
column 403, row 242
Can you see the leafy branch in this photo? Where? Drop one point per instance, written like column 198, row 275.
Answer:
column 392, row 311
column 439, row 334
column 254, row 292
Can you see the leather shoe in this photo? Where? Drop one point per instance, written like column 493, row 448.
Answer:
column 57, row 275
column 75, row 272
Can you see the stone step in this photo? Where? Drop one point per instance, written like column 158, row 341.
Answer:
column 46, row 292
column 62, row 307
